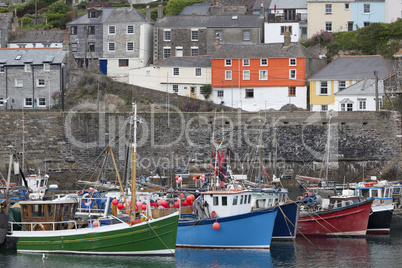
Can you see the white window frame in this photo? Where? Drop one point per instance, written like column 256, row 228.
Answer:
column 219, row 93
column 292, row 62
column 19, row 83
column 28, row 68
column 127, row 46
column 175, row 88
column 198, row 72
column 128, row 27
column 176, row 71
column 349, row 107
column 246, row 74
column 148, row 72
column 347, row 6
column 363, row 104
column 343, row 107
column 324, row 107
column 165, row 49
column 114, row 46
column 263, row 75
column 328, row 9
column 228, row 62
column 366, row 8
column 193, row 49
column 46, row 67
column 246, row 62
column 25, row 103
column 192, row 36
column 340, row 88
column 328, row 24
column 165, row 31
column 263, row 62
column 39, row 105
column 321, row 88
column 245, row 37
column 292, row 74
column 38, row 84
column 228, row 75
column 113, row 32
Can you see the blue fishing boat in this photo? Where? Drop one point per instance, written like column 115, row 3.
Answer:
column 224, row 219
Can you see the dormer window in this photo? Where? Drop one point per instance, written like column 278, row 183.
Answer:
column 92, row 14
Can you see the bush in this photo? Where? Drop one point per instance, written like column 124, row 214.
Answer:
column 4, row 10
column 206, row 90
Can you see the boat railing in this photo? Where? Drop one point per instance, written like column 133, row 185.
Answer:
column 94, row 206
column 34, row 225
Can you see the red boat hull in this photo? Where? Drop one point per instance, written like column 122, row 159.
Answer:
column 348, row 221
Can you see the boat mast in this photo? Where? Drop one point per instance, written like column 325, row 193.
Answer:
column 134, row 164
column 329, row 115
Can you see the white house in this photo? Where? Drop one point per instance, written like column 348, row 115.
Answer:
column 360, row 96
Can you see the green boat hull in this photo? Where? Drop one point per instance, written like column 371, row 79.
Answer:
column 156, row 238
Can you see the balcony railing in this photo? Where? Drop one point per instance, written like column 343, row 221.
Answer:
column 289, row 17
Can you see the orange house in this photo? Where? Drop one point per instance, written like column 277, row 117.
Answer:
column 258, row 76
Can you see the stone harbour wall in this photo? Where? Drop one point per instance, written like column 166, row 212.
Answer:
column 73, row 145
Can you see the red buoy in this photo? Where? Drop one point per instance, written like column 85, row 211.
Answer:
column 216, row 225
column 95, row 224
column 120, row 206
column 115, row 202
column 144, row 207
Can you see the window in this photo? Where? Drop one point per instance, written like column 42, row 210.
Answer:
column 28, row 68
column 224, row 201
column 228, row 62
column 379, row 102
column 349, row 107
column 91, row 30
column 219, row 93
column 74, row 47
column 283, row 29
column 246, row 62
column 304, row 30
column 111, row 46
column 73, row 30
column 1, row 68
column 166, row 35
column 92, row 47
column 179, row 51
column 112, row 29
column 41, row 102
column 341, row 85
column 263, row 75
column 362, row 104
column 130, row 29
column 166, row 52
column 350, row 26
column 328, row 9
column 216, row 201
column 292, row 74
column 194, row 51
column 366, row 8
column 46, row 67
column 246, row 35
column 346, row 6
column 198, row 71
column 175, row 88
column 176, row 71
column 264, row 62
column 241, row 199
column 148, row 72
column 366, row 23
column 40, row 82
column 292, row 92
column 218, row 33
column 194, row 35
column 130, row 46
column 324, row 107
column 250, row 93
column 292, row 62
column 324, row 88
column 235, row 200
column 123, row 62
column 1, row 101
column 28, row 102
column 228, row 75
column 19, row 83
column 92, row 14
column 328, row 26
column 246, row 75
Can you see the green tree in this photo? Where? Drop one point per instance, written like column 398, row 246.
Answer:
column 206, row 90
column 59, row 7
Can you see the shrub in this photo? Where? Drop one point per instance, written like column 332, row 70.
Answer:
column 206, row 90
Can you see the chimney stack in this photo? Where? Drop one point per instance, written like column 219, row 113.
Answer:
column 217, row 42
column 262, row 10
column 74, row 13
column 160, row 11
column 148, row 14
column 286, row 37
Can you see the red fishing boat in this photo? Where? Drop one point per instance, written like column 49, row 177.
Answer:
column 343, row 215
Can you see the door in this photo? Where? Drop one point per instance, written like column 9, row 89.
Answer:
column 193, row 92
column 103, row 66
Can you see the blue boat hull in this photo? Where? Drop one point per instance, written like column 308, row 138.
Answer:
column 286, row 222
column 250, row 231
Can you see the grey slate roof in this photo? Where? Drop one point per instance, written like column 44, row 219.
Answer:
column 31, row 55
column 189, row 61
column 125, row 14
column 34, row 36
column 85, row 20
column 354, row 68
column 245, row 21
column 364, row 87
column 257, row 4
column 276, row 50
column 197, row 9
column 288, row 4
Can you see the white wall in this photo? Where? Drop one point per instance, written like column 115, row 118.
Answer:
column 264, row 98
column 31, row 45
column 393, row 10
column 370, row 102
column 272, row 32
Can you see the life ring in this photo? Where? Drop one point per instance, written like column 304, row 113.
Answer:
column 85, row 201
column 300, row 198
column 40, row 225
